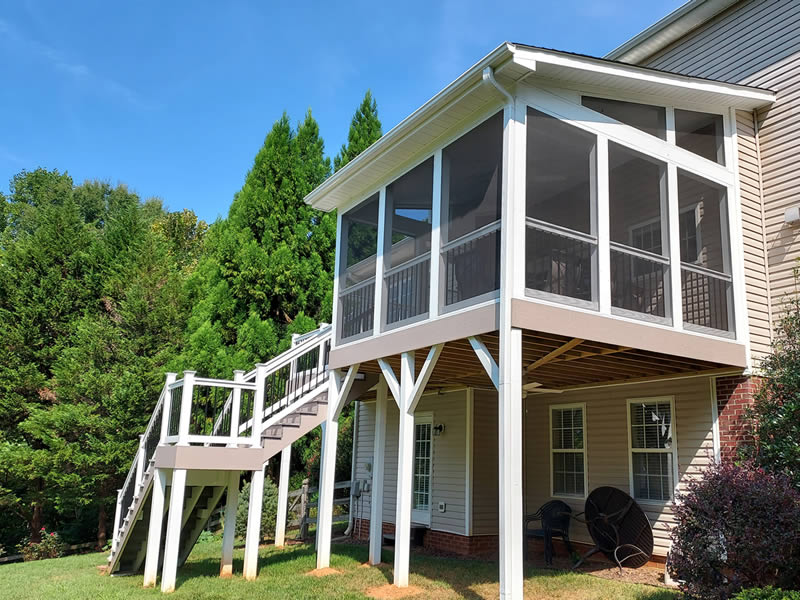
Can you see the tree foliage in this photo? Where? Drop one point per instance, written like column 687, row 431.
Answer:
column 365, row 129
column 775, row 415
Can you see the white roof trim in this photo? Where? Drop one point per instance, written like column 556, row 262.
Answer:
column 669, row 29
column 532, row 60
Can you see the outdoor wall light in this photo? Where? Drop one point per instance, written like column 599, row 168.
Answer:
column 439, row 429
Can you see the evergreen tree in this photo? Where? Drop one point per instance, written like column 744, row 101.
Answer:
column 365, row 129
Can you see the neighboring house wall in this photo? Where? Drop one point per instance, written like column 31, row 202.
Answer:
column 449, row 467
column 757, row 42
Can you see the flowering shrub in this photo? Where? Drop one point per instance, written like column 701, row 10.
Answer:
column 737, row 527
column 50, row 546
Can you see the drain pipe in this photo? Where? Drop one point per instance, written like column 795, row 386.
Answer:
column 488, row 75
column 349, row 529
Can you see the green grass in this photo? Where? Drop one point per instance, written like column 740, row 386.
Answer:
column 283, row 576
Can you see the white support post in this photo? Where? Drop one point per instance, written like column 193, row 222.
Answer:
column 186, row 408
column 676, row 292
column 229, row 534
column 236, row 406
column 253, row 536
column 436, row 236
column 171, row 378
column 258, row 405
column 405, row 472
column 603, row 228
column 117, row 522
column 377, row 314
column 157, row 500
column 376, row 498
column 510, row 367
column 139, row 465
column 283, row 497
column 177, row 493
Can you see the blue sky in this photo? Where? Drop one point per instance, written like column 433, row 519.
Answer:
column 175, row 98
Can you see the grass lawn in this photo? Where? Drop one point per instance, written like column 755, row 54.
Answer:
column 283, row 576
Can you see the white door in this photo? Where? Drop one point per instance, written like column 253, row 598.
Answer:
column 423, row 463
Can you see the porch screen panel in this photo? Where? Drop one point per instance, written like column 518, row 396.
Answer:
column 561, row 239
column 701, row 133
column 705, row 255
column 471, row 205
column 567, row 431
column 652, row 452
column 409, row 208
column 638, row 231
column 357, row 276
column 647, row 118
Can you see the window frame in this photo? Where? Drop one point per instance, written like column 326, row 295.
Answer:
column 672, row 450
column 427, row 419
column 584, row 451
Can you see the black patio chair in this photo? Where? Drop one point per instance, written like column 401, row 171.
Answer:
column 554, row 517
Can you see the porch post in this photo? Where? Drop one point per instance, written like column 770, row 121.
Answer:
column 327, row 479
column 157, row 498
column 405, row 463
column 174, row 520
column 376, row 498
column 253, row 536
column 228, row 535
column 283, row 497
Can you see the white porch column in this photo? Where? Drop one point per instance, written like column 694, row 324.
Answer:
column 174, row 520
column 253, row 536
column 405, row 472
column 228, row 536
column 327, row 476
column 283, row 497
column 157, row 498
column 376, row 497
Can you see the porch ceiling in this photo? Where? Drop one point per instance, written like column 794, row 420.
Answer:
column 556, row 363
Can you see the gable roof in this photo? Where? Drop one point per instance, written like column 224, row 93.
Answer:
column 469, row 95
column 675, row 25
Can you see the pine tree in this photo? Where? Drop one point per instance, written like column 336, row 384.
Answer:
column 365, row 129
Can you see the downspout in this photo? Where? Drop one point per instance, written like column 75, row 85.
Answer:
column 349, row 529
column 488, row 75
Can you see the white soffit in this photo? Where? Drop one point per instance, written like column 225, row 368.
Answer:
column 414, row 138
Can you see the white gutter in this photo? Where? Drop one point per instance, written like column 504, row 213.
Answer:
column 488, row 75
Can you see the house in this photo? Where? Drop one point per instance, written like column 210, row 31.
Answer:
column 557, row 274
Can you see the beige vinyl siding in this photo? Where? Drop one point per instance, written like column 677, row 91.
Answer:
column 449, row 465
column 607, row 450
column 757, row 42
column 485, row 497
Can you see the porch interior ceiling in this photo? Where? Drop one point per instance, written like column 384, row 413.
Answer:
column 555, row 362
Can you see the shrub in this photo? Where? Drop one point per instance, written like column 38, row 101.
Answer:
column 269, row 511
column 737, row 527
column 767, row 593
column 50, row 546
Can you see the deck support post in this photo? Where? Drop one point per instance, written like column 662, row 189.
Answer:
column 229, row 534
column 405, row 473
column 174, row 520
column 338, row 390
column 253, row 536
column 157, row 501
column 283, row 497
column 376, row 499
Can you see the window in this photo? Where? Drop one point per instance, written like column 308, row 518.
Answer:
column 561, row 198
column 423, row 458
column 700, row 133
column 568, row 450
column 650, row 119
column 653, row 448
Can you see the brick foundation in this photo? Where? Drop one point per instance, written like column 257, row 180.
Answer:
column 734, row 395
column 481, row 546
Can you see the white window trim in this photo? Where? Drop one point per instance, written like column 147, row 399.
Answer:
column 582, row 406
column 694, row 207
column 673, row 449
column 424, row 417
